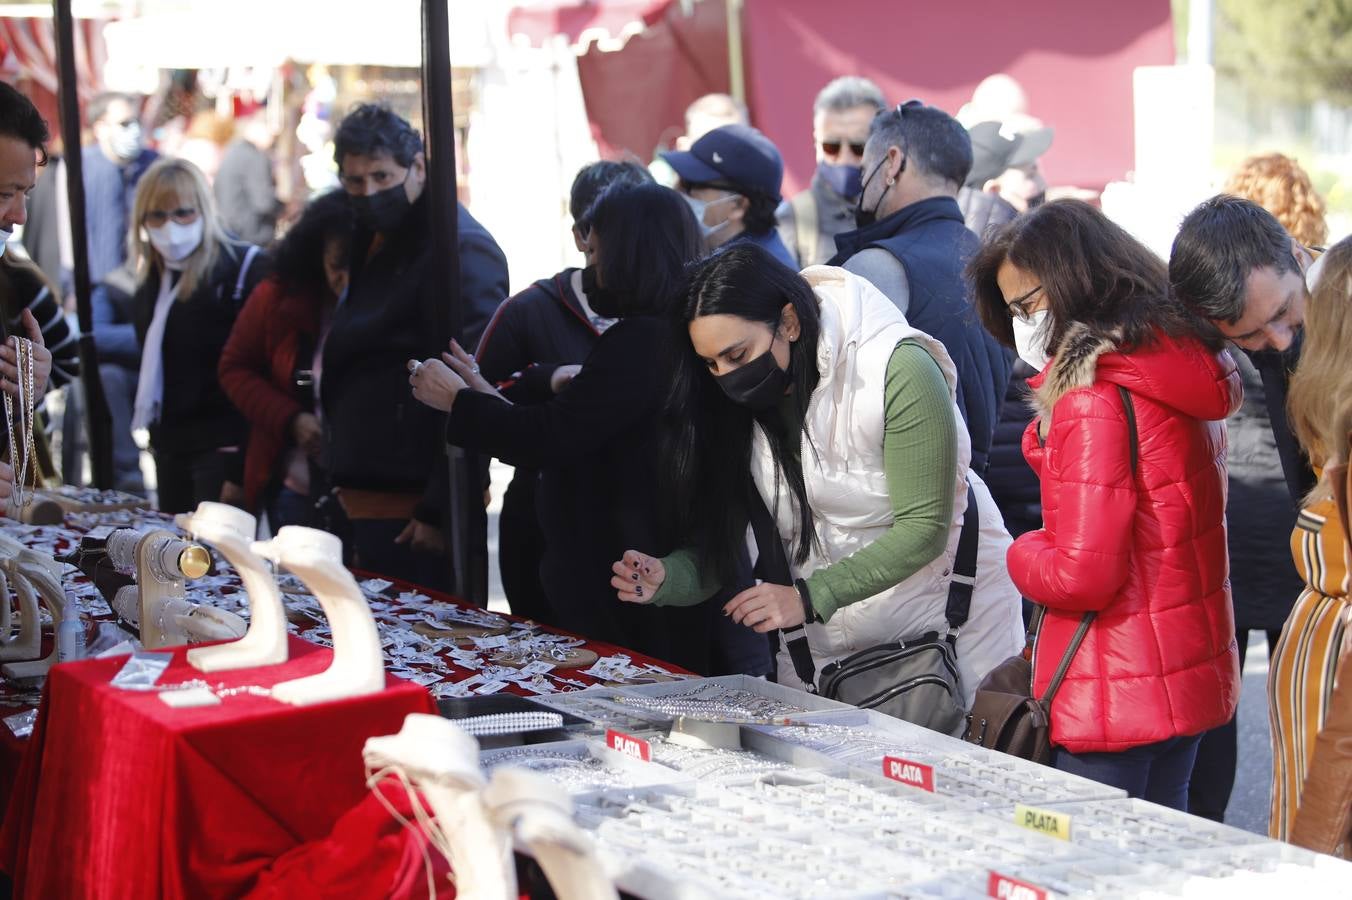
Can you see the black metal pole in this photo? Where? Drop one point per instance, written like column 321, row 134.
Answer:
column 462, row 520
column 99, row 424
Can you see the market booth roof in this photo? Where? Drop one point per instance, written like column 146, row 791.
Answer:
column 265, row 33
column 608, row 23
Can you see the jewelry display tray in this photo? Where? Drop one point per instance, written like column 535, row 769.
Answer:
column 818, row 819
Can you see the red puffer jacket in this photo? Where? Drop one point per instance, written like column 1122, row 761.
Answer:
column 1147, row 552
column 256, row 370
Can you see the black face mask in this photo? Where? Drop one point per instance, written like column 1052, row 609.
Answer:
column 603, row 301
column 757, row 385
column 866, row 217
column 1037, row 200
column 384, row 210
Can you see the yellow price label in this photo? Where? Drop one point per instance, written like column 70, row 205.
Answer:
column 1043, row 821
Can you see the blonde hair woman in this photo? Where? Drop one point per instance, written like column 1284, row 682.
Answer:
column 1278, row 184
column 1301, row 677
column 192, row 279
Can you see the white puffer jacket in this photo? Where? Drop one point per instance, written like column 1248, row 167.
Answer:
column 847, row 490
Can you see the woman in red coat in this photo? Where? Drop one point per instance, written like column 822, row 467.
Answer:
column 270, row 365
column 1133, row 525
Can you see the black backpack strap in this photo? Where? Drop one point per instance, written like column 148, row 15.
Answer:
column 243, row 276
column 960, row 589
column 1133, row 439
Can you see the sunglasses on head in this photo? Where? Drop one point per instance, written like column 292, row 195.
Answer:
column 831, row 148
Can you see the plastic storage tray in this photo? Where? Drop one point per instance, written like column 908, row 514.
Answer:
column 581, row 766
column 862, row 739
column 777, row 700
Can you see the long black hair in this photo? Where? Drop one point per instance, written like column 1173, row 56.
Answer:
column 645, row 235
column 298, row 262
column 707, row 437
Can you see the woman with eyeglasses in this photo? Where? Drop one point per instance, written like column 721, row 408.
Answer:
column 1129, row 445
column 192, row 280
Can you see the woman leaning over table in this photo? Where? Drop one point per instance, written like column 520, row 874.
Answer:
column 1129, row 446
column 812, row 391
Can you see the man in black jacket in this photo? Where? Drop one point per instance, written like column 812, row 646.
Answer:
column 912, row 244
column 385, row 450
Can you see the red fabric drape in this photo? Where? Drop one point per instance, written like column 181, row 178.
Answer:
column 122, row 796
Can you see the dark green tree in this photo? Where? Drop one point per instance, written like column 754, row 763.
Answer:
column 1287, row 50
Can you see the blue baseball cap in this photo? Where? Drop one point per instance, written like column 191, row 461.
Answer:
column 735, row 156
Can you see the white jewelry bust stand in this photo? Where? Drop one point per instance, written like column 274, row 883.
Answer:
column 33, row 576
column 442, row 762
column 358, row 666
column 231, row 531
column 475, row 821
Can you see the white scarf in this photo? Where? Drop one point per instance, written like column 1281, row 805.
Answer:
column 150, row 384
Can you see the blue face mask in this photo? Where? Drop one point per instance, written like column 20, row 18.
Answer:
column 845, row 180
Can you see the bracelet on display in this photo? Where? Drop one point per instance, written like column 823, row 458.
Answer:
column 810, row 614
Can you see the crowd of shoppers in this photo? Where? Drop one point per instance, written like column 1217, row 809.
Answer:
column 718, row 438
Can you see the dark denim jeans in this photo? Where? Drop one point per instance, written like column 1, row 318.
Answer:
column 1156, row 772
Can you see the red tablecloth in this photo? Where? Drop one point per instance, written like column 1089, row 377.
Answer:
column 120, row 795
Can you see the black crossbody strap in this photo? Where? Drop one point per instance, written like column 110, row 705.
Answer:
column 960, row 589
column 772, row 566
column 1134, row 449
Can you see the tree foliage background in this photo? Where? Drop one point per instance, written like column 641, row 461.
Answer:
column 1287, row 50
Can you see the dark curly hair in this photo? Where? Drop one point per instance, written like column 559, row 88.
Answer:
column 298, row 261
column 370, row 129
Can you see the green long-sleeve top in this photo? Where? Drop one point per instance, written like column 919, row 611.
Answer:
column 920, row 456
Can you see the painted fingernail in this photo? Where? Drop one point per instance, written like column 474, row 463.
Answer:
column 639, row 590
column 634, row 576
column 647, row 571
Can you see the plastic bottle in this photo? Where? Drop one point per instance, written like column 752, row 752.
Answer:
column 70, row 634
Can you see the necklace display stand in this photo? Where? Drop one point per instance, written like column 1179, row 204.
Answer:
column 231, row 531
column 358, row 666
column 163, row 562
column 33, row 577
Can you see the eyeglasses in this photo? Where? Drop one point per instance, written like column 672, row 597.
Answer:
column 184, row 215
column 1018, row 307
column 832, row 148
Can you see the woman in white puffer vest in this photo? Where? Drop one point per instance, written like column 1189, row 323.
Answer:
column 814, row 388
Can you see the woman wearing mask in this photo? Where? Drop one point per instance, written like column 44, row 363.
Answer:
column 1129, row 445
column 813, row 391
column 1303, row 689
column 192, row 280
column 593, row 442
column 270, row 366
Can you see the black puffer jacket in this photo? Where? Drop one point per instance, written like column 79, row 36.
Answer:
column 1012, row 481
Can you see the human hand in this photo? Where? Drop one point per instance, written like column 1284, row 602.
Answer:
column 307, row 433
column 467, row 368
column 562, row 376
column 6, row 483
column 9, row 360
column 637, row 577
column 766, row 607
column 434, row 383
column 423, row 537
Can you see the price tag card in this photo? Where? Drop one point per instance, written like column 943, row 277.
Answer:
column 629, row 745
column 1043, row 821
column 1003, row 887
column 909, row 772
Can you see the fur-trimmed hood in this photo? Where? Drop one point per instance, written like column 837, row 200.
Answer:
column 1178, row 373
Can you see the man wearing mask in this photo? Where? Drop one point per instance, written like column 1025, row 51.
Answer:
column 113, row 165
column 841, row 116
column 911, row 243
column 731, row 179
column 385, row 450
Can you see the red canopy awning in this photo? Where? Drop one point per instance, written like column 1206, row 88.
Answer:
column 28, row 60
column 608, row 23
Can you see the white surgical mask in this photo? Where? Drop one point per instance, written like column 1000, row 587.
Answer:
column 126, row 142
column 1030, row 339
column 176, row 242
column 699, row 206
column 5, row 235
